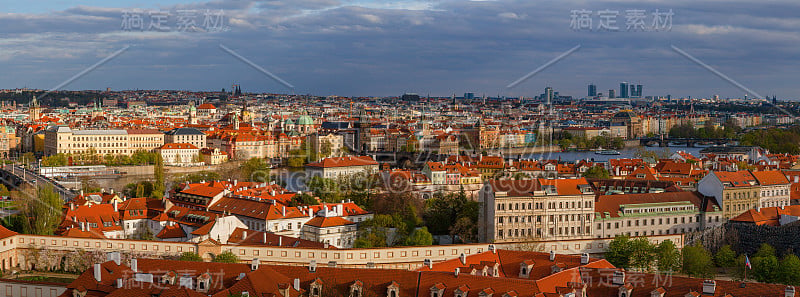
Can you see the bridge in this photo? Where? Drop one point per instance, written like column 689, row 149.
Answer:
column 689, row 142
column 15, row 176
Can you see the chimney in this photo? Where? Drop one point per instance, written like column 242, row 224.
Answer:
column 709, row 287
column 71, row 206
column 116, row 208
column 312, row 267
column 98, row 276
column 618, row 278
column 297, row 284
column 113, row 256
column 134, row 265
column 119, row 283
column 492, row 249
column 429, row 263
column 244, row 235
column 280, row 240
column 457, row 271
column 552, row 255
column 789, row 291
column 463, row 258
column 283, row 211
column 265, row 237
column 254, row 264
column 584, row 258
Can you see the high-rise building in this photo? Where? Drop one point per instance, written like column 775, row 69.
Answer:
column 612, row 94
column 548, row 95
column 623, row 90
column 639, row 91
column 592, row 90
column 469, row 95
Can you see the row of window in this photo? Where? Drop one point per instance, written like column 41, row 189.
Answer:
column 527, row 233
column 553, row 218
column 540, row 205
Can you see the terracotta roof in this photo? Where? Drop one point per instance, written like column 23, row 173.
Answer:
column 173, row 231
column 769, row 178
column 178, row 146
column 769, row 216
column 344, row 162
column 325, row 222
column 741, row 178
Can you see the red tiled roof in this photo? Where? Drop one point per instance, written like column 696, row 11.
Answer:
column 344, row 162
column 325, row 222
column 178, row 146
column 174, row 231
column 769, row 178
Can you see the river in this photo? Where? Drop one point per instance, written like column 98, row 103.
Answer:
column 591, row 156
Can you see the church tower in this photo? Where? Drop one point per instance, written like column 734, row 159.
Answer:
column 34, row 110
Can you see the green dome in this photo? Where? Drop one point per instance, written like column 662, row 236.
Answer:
column 305, row 120
column 288, row 122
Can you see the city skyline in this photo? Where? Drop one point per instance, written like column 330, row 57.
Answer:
column 369, row 48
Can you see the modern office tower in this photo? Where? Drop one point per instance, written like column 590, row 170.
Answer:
column 612, row 94
column 592, row 90
column 548, row 95
column 639, row 91
column 469, row 95
column 623, row 90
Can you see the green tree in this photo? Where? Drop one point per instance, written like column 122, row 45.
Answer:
column 40, row 210
column 765, row 264
column 564, row 144
column 420, row 236
column 619, row 251
column 325, row 149
column 158, row 174
column 256, row 170
column 303, row 199
column 376, row 232
column 668, row 256
column 789, row 270
column 443, row 211
column 297, row 158
column 27, row 158
column 226, row 257
column 55, row 160
column 465, row 229
column 190, row 256
column 725, row 257
column 326, row 189
column 642, row 255
column 597, row 172
column 697, row 261
column 4, row 192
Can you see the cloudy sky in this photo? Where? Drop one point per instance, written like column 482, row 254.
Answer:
column 379, row 48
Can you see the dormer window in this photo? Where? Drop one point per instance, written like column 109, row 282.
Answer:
column 356, row 289
column 203, row 282
column 169, row 278
column 393, row 290
column 461, row 291
column 486, row 292
column 437, row 290
column 525, row 268
column 316, row 288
